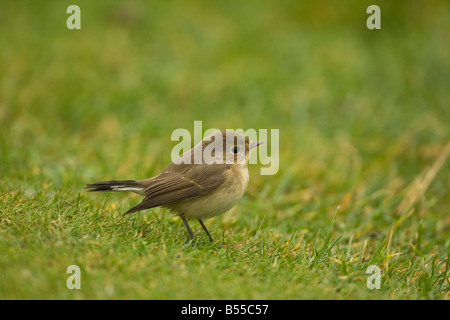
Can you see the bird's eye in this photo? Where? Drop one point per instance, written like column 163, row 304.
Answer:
column 235, row 150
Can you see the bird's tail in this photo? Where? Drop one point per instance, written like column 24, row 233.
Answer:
column 115, row 185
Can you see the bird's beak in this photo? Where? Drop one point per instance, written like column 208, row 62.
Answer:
column 254, row 144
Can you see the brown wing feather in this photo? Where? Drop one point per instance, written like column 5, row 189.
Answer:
column 181, row 182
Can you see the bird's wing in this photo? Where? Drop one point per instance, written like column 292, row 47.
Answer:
column 181, row 182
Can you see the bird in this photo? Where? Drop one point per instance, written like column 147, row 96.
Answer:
column 202, row 183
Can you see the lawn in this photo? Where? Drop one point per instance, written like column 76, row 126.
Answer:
column 364, row 148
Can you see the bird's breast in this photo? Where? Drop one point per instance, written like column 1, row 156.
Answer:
column 217, row 201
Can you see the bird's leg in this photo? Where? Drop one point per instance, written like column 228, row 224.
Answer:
column 206, row 230
column 187, row 227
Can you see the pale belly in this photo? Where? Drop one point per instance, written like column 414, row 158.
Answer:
column 214, row 203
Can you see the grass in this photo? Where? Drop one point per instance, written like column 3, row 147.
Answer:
column 364, row 148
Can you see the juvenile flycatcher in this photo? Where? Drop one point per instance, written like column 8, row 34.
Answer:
column 204, row 182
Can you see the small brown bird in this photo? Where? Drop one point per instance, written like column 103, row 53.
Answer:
column 204, row 182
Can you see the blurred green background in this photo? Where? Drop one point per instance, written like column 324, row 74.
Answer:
column 364, row 120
